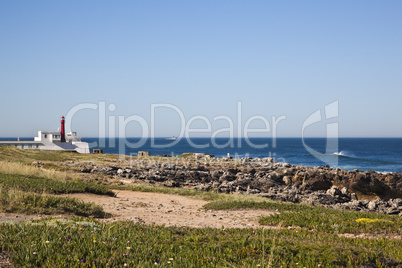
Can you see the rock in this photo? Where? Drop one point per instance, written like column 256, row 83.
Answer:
column 215, row 185
column 367, row 184
column 395, row 202
column 268, row 160
column 217, row 174
column 227, row 177
column 233, row 171
column 37, row 164
column 253, row 191
column 265, row 177
column 286, row 165
column 372, row 205
column 356, row 205
column 287, row 180
column 306, row 187
column 345, row 191
column 203, row 187
column 171, row 183
column 86, row 170
column 320, row 183
column 393, row 211
column 353, row 197
column 334, row 191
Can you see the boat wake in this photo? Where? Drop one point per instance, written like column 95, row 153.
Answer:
column 345, row 154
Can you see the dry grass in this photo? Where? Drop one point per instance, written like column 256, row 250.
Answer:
column 14, row 168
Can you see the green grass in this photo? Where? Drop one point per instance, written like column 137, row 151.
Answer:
column 185, row 155
column 316, row 218
column 45, row 185
column 30, row 203
column 12, row 154
column 331, row 220
column 56, row 167
column 87, row 243
column 29, row 178
column 91, row 244
column 27, row 189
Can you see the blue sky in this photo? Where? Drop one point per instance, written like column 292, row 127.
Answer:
column 278, row 58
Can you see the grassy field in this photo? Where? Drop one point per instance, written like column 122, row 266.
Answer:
column 296, row 236
column 27, row 189
column 85, row 243
column 44, row 185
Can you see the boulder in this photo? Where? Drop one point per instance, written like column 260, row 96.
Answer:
column 287, row 180
column 334, row 191
column 372, row 205
column 320, row 183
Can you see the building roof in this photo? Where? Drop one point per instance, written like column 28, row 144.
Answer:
column 51, row 132
column 20, row 142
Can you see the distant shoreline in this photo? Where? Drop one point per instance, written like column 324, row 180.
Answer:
column 16, row 137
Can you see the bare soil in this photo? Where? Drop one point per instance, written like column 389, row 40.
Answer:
column 171, row 210
column 5, row 260
column 16, row 217
column 154, row 208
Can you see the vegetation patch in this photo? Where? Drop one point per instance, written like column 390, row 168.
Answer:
column 367, row 220
column 13, row 154
column 186, row 155
column 44, row 185
column 56, row 167
column 26, row 189
column 30, row 203
column 312, row 241
column 338, row 221
column 120, row 244
column 316, row 218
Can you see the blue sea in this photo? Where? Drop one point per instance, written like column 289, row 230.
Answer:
column 377, row 154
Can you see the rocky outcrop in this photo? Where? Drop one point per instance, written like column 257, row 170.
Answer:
column 355, row 190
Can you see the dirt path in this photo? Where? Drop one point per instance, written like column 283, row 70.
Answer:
column 171, row 210
column 16, row 217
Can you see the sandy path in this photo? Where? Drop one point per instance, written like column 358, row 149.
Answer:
column 171, row 210
column 16, row 217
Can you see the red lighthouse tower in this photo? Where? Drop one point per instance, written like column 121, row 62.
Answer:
column 62, row 131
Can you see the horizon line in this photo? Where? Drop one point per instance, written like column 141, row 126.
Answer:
column 178, row 138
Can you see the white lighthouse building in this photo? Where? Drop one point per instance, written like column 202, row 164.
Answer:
column 53, row 140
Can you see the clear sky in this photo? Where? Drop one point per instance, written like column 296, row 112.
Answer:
column 277, row 58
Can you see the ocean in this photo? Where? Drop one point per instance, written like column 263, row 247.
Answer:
column 377, row 154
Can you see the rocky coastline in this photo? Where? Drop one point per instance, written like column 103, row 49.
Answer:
column 365, row 191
